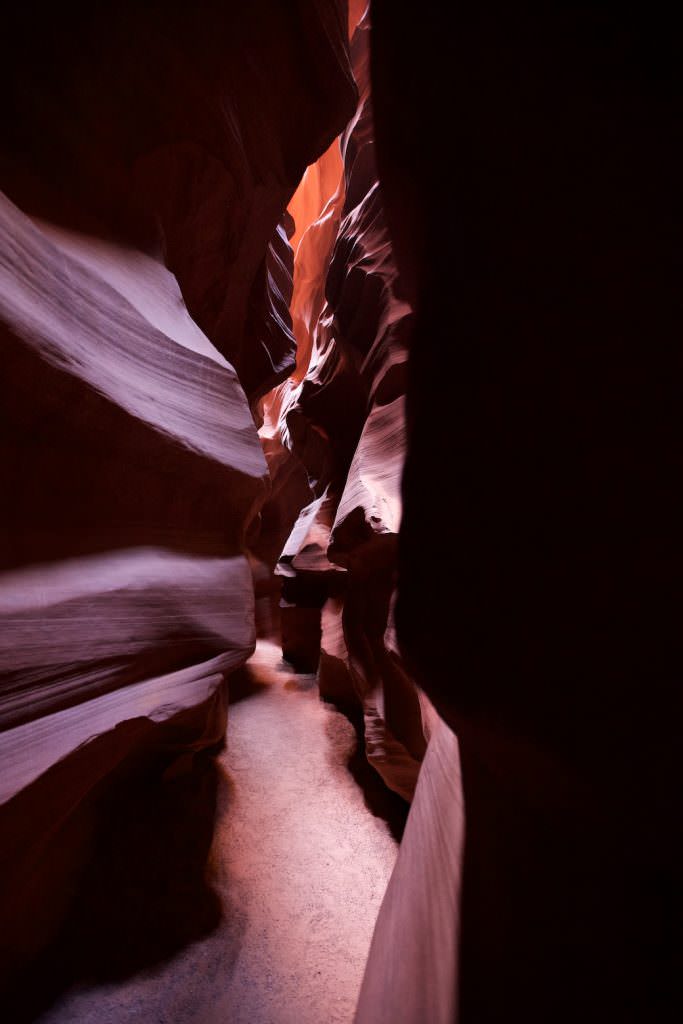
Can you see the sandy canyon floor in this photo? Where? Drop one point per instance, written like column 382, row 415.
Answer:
column 303, row 846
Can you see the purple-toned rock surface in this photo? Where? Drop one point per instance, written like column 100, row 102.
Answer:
column 378, row 347
column 411, row 974
column 131, row 467
column 145, row 279
column 175, row 129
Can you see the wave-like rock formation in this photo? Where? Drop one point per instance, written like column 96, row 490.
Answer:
column 175, row 127
column 342, row 415
column 425, row 419
column 132, row 466
column 145, row 276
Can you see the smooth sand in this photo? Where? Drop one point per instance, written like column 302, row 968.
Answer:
column 300, row 865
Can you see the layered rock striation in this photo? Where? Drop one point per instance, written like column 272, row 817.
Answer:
column 132, row 467
column 186, row 131
column 342, row 415
column 145, row 278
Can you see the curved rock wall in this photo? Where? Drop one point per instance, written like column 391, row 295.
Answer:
column 342, row 415
column 174, row 128
column 145, row 275
column 132, row 467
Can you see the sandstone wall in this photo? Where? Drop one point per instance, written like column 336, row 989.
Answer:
column 148, row 154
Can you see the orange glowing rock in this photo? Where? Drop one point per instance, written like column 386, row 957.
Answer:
column 342, row 415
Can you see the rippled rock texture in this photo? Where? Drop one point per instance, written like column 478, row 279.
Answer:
column 342, row 415
column 187, row 130
column 149, row 152
column 131, row 467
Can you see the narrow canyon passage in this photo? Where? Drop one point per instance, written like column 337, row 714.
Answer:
column 340, row 461
column 300, row 865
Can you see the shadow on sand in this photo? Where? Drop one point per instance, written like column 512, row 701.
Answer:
column 144, row 893
column 379, row 799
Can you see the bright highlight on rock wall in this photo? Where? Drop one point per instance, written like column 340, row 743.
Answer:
column 145, row 276
column 341, row 414
column 354, row 326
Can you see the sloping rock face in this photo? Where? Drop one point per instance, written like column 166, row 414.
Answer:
column 175, row 128
column 540, row 256
column 131, row 466
column 145, row 276
column 411, row 970
column 342, row 414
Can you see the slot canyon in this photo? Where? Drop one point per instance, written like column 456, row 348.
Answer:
column 341, row 605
